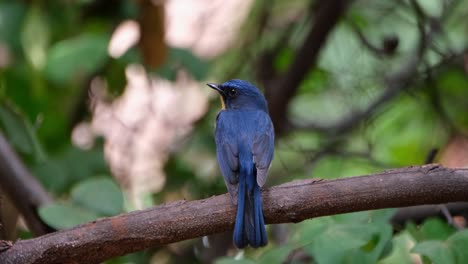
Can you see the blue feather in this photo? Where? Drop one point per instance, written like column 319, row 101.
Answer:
column 249, row 227
column 245, row 144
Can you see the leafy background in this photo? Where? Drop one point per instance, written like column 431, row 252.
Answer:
column 51, row 51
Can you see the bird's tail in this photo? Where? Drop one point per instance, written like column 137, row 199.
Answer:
column 250, row 225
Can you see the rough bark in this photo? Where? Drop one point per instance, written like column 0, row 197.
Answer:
column 291, row 202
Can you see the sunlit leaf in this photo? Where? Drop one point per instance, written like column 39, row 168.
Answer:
column 417, row 133
column 35, row 36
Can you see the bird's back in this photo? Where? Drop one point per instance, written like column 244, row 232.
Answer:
column 244, row 149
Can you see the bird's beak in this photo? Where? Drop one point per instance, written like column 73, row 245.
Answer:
column 217, row 88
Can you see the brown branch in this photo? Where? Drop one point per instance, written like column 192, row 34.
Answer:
column 292, row 202
column 22, row 188
column 281, row 92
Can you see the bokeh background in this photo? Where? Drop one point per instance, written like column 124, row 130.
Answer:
column 106, row 104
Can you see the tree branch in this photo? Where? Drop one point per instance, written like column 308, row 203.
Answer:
column 292, row 202
column 22, row 188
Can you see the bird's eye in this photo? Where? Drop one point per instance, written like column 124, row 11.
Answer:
column 232, row 92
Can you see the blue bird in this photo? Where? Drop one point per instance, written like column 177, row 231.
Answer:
column 244, row 149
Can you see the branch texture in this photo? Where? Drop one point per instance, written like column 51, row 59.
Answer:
column 292, row 202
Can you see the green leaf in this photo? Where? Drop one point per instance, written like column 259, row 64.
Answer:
column 11, row 16
column 316, row 80
column 417, row 133
column 336, row 167
column 381, row 216
column 438, row 252
column 101, row 195
column 337, row 241
column 387, row 249
column 62, row 216
column 14, row 128
column 436, row 229
column 283, row 59
column 347, row 238
column 355, row 217
column 20, row 132
column 458, row 243
column 177, row 58
column 400, row 253
column 452, row 86
column 275, row 255
column 91, row 162
column 310, row 229
column 77, row 57
column 52, row 174
column 430, row 229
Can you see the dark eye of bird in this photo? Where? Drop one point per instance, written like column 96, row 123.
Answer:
column 232, row 92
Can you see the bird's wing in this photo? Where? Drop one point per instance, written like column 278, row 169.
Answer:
column 227, row 154
column 263, row 147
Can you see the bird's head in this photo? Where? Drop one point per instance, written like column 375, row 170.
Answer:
column 240, row 94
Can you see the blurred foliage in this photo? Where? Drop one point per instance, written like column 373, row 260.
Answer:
column 55, row 48
column 90, row 199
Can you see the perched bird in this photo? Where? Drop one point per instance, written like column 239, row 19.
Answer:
column 244, row 149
